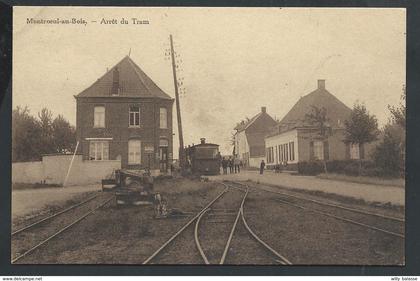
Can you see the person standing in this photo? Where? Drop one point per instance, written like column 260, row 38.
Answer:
column 237, row 163
column 224, row 165
column 262, row 166
column 230, row 164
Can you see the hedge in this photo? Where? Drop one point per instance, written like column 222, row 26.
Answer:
column 347, row 167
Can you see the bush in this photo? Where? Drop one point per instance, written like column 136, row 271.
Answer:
column 352, row 169
column 387, row 155
column 311, row 168
column 337, row 166
column 347, row 167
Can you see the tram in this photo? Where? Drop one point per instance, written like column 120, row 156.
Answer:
column 203, row 158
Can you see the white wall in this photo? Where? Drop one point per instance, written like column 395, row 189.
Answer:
column 255, row 162
column 286, row 137
column 53, row 170
column 241, row 144
column 28, row 172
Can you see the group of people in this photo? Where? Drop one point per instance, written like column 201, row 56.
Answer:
column 231, row 164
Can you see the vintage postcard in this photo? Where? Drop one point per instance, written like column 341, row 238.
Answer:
column 244, row 136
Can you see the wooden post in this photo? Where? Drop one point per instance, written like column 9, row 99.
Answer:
column 71, row 164
column 178, row 110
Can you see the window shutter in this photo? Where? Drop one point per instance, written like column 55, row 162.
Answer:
column 362, row 151
column 311, row 150
column 347, row 144
column 326, row 150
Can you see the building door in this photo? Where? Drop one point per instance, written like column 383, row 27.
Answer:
column 163, row 155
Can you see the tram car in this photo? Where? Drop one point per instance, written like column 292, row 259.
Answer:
column 203, row 158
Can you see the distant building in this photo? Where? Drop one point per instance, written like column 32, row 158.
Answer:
column 125, row 116
column 294, row 140
column 249, row 138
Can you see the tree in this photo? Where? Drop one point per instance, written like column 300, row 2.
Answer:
column 398, row 113
column 319, row 119
column 45, row 121
column 361, row 128
column 63, row 135
column 387, row 153
column 394, row 139
column 32, row 137
column 26, row 136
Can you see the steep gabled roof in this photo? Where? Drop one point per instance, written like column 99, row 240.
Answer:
column 133, row 82
column 337, row 112
column 245, row 125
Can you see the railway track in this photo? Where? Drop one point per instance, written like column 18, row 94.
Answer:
column 29, row 238
column 349, row 215
column 217, row 249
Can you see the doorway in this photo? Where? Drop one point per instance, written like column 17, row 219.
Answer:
column 163, row 156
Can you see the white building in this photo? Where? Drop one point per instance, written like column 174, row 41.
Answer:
column 249, row 138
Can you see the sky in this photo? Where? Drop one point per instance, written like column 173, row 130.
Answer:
column 233, row 61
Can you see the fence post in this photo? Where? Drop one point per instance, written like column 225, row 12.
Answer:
column 71, row 164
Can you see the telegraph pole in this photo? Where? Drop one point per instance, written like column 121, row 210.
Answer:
column 178, row 110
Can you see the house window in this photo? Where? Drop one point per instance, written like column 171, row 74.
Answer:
column 134, row 116
column 98, row 150
column 272, row 155
column 99, row 117
column 292, row 151
column 163, row 117
column 319, row 150
column 281, row 153
column 287, row 152
column 134, row 152
column 354, row 151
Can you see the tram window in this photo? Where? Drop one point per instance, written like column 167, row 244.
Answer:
column 205, row 153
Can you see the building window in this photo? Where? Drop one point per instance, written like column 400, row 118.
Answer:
column 272, row 155
column 292, row 150
column 280, row 153
column 99, row 117
column 163, row 117
column 354, row 151
column 98, row 150
column 134, row 116
column 134, row 152
column 269, row 155
column 318, row 150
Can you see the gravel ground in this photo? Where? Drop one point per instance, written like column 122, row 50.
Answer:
column 394, row 195
column 126, row 235
column 28, row 202
column 244, row 249
column 216, row 224
column 129, row 235
column 306, row 238
column 382, row 209
column 53, row 206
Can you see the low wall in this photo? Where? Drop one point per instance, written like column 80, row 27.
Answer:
column 53, row 170
column 28, row 172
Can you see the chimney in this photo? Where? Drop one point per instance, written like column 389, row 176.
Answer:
column 263, row 109
column 115, row 82
column 203, row 140
column 321, row 84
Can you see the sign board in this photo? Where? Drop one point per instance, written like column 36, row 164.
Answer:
column 149, row 149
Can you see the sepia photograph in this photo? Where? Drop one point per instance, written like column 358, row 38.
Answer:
column 208, row 136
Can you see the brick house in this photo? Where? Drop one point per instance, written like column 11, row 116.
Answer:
column 125, row 116
column 294, row 140
column 249, row 138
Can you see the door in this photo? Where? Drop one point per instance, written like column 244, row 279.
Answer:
column 163, row 156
